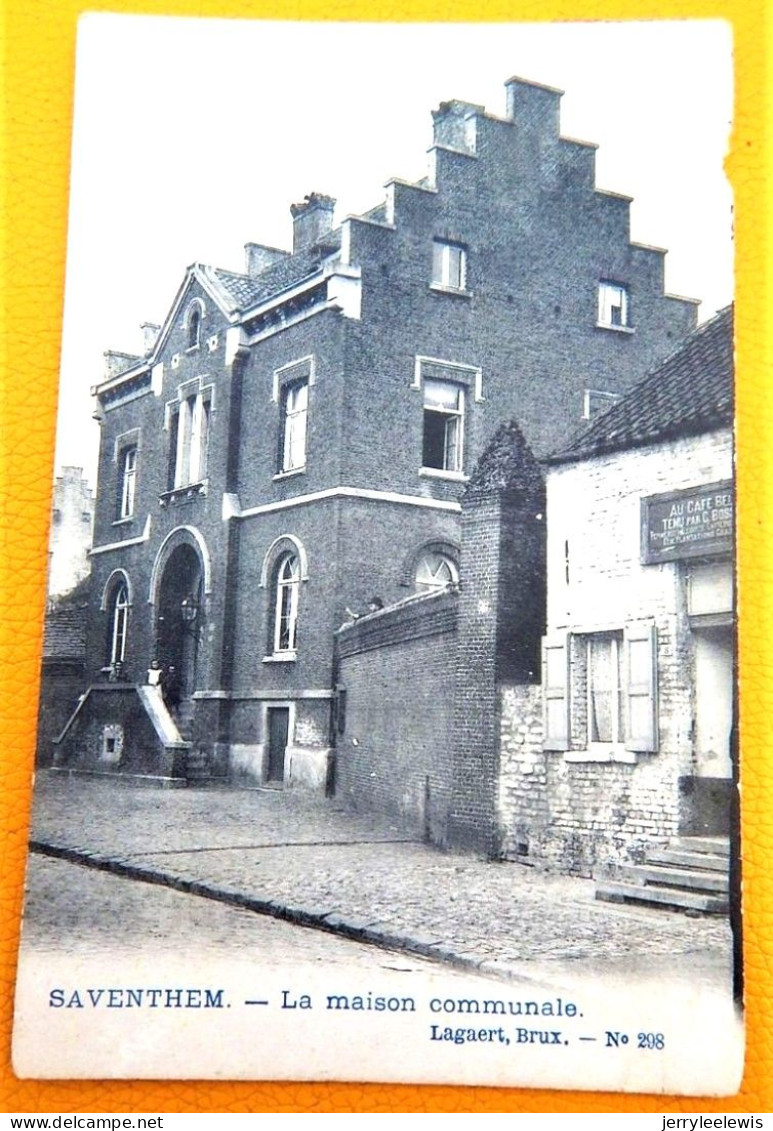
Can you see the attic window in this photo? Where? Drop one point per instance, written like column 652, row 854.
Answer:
column 194, row 328
column 449, row 265
column 614, row 308
column 194, row 316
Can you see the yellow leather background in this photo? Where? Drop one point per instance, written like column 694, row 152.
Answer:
column 37, row 67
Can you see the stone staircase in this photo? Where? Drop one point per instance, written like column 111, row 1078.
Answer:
column 197, row 767
column 183, row 718
column 690, row 874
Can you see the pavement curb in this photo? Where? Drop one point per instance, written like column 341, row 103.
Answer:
column 377, row 933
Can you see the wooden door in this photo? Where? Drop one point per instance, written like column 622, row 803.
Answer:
column 278, row 725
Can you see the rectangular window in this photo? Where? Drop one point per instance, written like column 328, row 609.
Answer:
column 596, row 401
column 449, row 265
column 127, row 481
column 443, row 442
column 189, row 441
column 600, row 693
column 605, row 689
column 295, row 405
column 613, row 306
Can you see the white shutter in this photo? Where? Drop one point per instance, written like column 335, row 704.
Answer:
column 555, row 691
column 641, row 686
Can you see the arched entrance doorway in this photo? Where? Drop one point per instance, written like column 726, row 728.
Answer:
column 180, row 615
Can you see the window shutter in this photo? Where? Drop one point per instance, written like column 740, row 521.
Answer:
column 555, row 683
column 174, row 425
column 641, row 649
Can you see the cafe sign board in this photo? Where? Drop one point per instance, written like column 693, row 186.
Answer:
column 693, row 523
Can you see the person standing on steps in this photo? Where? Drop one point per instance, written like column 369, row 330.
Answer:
column 170, row 689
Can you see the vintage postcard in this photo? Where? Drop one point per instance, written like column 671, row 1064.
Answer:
column 388, row 725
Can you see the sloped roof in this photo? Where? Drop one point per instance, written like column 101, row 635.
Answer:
column 689, row 393
column 248, row 290
column 507, row 466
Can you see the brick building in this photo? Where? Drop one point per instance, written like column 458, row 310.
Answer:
column 639, row 671
column 297, row 437
column 628, row 743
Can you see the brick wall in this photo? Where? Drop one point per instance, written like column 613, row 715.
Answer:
column 397, row 668
column 501, row 619
column 475, row 747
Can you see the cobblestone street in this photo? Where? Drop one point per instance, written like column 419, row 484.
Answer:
column 67, row 901
column 364, row 876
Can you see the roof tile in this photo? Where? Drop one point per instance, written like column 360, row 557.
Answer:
column 249, row 290
column 689, row 393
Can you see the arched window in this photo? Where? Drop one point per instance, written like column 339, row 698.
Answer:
column 194, row 327
column 286, row 591
column 435, row 570
column 119, row 623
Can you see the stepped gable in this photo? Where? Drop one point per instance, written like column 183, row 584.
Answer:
column 507, row 467
column 689, row 393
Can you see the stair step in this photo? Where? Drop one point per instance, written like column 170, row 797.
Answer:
column 197, row 766
column 715, row 845
column 702, row 861
column 662, row 897
column 685, row 878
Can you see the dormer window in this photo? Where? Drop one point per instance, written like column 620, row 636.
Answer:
column 449, row 265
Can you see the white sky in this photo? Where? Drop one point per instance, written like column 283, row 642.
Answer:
column 193, row 137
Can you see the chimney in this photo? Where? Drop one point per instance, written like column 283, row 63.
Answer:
column 118, row 362
column 454, row 125
column 150, row 331
column 312, row 219
column 258, row 257
column 534, row 107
